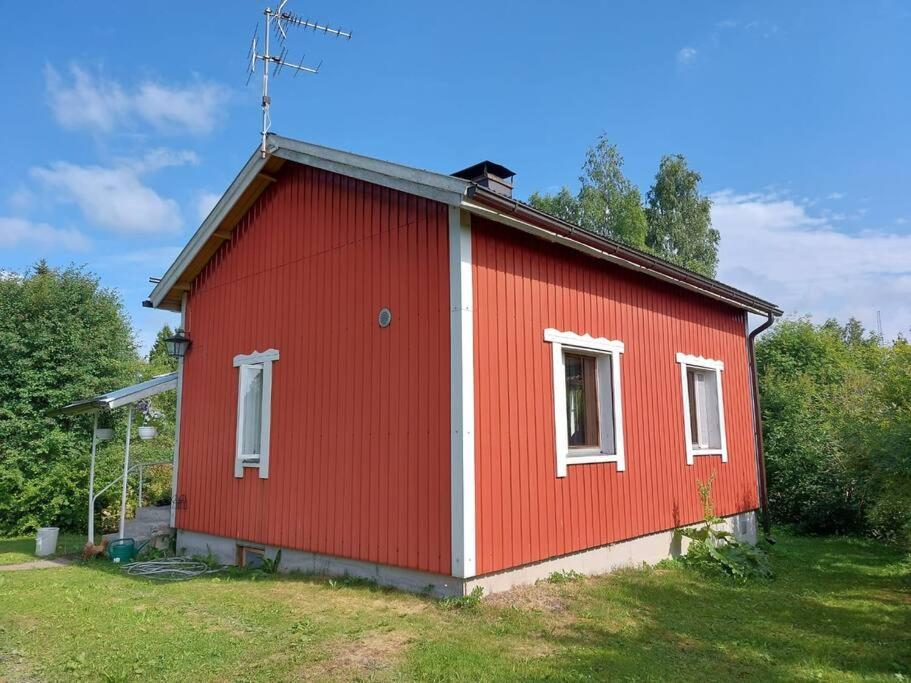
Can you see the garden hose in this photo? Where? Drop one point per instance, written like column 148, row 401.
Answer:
column 170, row 569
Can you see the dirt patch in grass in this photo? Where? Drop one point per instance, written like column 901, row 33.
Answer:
column 541, row 597
column 369, row 657
column 531, row 649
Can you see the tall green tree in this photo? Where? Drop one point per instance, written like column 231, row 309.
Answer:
column 680, row 219
column 607, row 202
column 158, row 355
column 836, row 406
column 62, row 337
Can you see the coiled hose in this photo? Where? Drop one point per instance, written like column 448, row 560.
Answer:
column 170, row 569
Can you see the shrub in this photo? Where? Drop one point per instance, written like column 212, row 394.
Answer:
column 716, row 550
column 836, row 407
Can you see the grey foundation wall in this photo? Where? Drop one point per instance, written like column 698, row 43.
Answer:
column 645, row 549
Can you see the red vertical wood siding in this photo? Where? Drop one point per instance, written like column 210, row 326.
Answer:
column 359, row 458
column 523, row 285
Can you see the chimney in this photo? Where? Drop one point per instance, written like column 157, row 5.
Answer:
column 494, row 177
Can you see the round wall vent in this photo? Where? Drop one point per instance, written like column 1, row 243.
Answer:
column 385, row 317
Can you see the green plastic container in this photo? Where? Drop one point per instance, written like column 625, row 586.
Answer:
column 122, row 550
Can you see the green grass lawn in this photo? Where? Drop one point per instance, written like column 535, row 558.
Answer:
column 838, row 609
column 22, row 549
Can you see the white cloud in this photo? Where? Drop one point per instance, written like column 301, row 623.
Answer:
column 22, row 199
column 686, row 56
column 17, row 232
column 154, row 257
column 205, row 203
column 115, row 197
column 9, row 275
column 836, row 195
column 157, row 159
column 90, row 101
column 775, row 248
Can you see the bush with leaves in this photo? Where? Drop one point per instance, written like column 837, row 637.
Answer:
column 713, row 549
column 62, row 337
column 836, row 406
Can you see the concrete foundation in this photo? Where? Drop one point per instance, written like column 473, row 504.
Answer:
column 633, row 552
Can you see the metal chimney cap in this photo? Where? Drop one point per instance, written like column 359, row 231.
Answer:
column 483, row 168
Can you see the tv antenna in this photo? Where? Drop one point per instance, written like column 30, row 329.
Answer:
column 279, row 21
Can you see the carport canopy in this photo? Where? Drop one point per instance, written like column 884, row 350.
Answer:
column 127, row 396
column 121, row 397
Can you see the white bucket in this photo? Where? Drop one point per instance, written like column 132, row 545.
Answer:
column 46, row 541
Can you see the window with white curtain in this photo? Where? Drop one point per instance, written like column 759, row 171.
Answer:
column 703, row 406
column 254, row 407
column 587, row 400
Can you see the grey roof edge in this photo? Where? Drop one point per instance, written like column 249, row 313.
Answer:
column 118, row 398
column 491, row 204
column 225, row 203
column 448, row 190
column 436, row 186
column 355, row 165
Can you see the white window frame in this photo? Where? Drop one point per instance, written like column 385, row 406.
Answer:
column 607, row 353
column 716, row 367
column 259, row 360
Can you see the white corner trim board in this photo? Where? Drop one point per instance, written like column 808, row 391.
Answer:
column 716, row 367
column 607, row 352
column 175, row 458
column 245, row 363
column 461, row 367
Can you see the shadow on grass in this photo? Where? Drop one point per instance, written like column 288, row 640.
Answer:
column 22, row 548
column 837, row 607
column 238, row 574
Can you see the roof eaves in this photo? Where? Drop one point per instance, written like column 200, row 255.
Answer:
column 205, row 231
column 527, row 218
column 435, row 186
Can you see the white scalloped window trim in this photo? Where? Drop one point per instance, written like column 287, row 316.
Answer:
column 262, row 361
column 700, row 362
column 608, row 352
column 717, row 366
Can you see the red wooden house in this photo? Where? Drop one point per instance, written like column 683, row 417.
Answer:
column 413, row 377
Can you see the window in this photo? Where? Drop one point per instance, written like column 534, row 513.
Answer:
column 588, row 420
column 703, row 407
column 254, row 407
column 250, row 557
column 581, row 401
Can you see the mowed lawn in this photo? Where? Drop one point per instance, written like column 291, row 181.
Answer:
column 838, row 609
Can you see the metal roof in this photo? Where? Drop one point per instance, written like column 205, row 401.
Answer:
column 121, row 397
column 259, row 173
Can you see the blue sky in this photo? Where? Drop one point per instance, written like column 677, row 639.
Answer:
column 122, row 122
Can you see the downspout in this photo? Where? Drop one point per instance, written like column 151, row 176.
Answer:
column 757, row 426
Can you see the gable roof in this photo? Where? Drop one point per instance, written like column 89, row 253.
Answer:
column 258, row 173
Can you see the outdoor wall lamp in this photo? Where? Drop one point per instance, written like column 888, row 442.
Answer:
column 177, row 344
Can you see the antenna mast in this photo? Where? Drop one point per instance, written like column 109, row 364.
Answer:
column 279, row 20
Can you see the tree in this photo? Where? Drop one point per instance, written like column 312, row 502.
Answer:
column 62, row 337
column 607, row 203
column 836, row 407
column 679, row 218
column 158, row 354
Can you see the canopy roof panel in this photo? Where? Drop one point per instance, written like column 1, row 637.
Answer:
column 121, row 397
